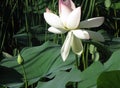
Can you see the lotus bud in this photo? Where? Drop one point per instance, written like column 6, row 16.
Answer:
column 20, row 59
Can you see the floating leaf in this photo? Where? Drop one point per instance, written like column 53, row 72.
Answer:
column 113, row 62
column 110, row 79
column 90, row 75
column 38, row 62
column 61, row 79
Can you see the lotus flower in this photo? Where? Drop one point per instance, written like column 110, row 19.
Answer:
column 68, row 20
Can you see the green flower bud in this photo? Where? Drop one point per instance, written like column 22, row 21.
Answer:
column 20, row 59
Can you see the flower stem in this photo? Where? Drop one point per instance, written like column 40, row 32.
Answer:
column 87, row 50
column 77, row 61
column 116, row 26
column 77, row 64
column 25, row 77
column 76, row 85
column 53, row 4
column 62, row 38
column 83, row 61
column 56, row 39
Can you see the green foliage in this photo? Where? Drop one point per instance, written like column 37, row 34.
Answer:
column 61, row 79
column 17, row 18
column 90, row 75
column 114, row 44
column 112, row 63
column 38, row 62
column 107, row 3
column 23, row 28
column 116, row 6
column 46, row 65
column 22, row 22
column 94, row 52
column 110, row 79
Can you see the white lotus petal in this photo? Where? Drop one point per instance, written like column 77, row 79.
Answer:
column 96, row 36
column 65, row 6
column 81, row 34
column 77, row 46
column 68, row 3
column 56, row 30
column 93, row 22
column 53, row 20
column 66, row 46
column 72, row 4
column 64, row 10
column 73, row 19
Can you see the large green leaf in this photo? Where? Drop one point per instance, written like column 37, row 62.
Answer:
column 38, row 62
column 90, row 75
column 114, row 62
column 86, row 79
column 110, row 79
column 8, row 76
column 114, row 45
column 116, row 5
column 45, row 60
column 61, row 79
